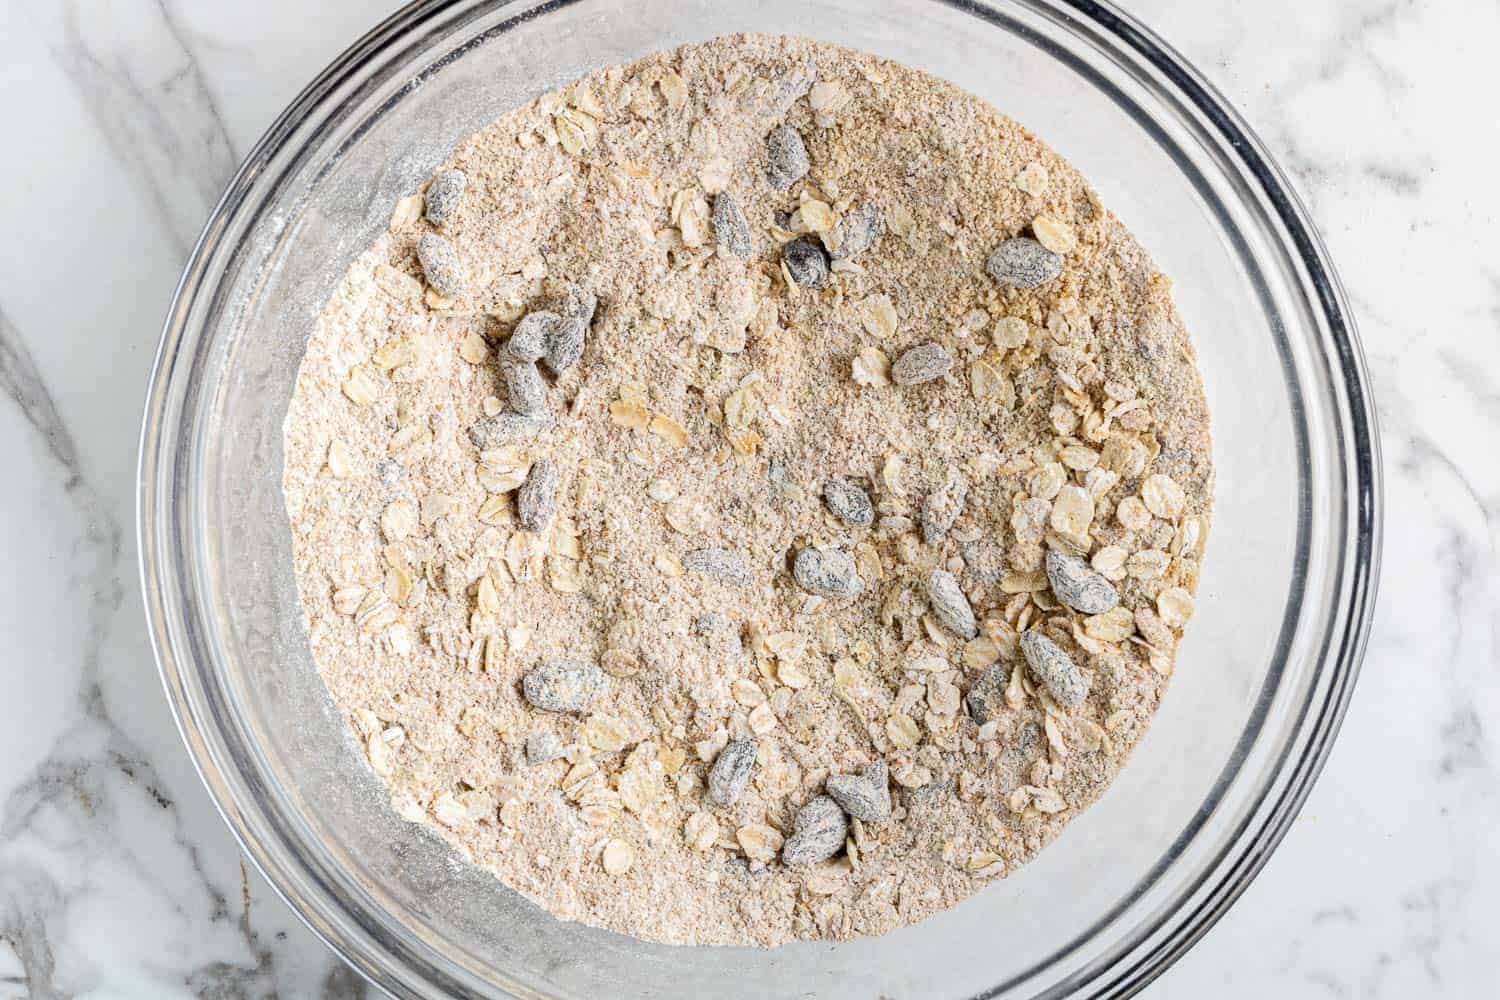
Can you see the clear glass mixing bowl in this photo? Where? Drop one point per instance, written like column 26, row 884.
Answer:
column 1264, row 674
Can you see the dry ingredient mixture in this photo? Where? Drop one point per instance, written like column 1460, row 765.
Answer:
column 752, row 493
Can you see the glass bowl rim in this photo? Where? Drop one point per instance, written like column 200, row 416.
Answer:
column 392, row 964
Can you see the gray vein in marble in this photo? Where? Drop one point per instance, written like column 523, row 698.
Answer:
column 165, row 130
column 1316, row 176
column 1422, row 451
column 1471, row 376
column 343, row 983
column 191, row 75
column 26, row 899
column 1336, row 915
column 1350, row 42
column 1312, row 175
column 1398, row 180
column 1463, row 742
column 1427, row 912
column 78, row 778
column 1328, row 983
column 1464, row 576
column 22, row 383
column 1354, row 43
column 1461, row 737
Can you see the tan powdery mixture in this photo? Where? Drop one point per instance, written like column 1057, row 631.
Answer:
column 751, row 550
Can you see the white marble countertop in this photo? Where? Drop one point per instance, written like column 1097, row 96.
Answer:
column 121, row 122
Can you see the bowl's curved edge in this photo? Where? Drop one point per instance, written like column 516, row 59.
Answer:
column 161, row 628
column 1366, row 526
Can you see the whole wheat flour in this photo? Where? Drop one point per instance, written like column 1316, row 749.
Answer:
column 752, row 493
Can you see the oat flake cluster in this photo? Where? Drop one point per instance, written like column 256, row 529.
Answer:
column 752, row 493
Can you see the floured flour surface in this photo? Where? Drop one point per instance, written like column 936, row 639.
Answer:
column 842, row 568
